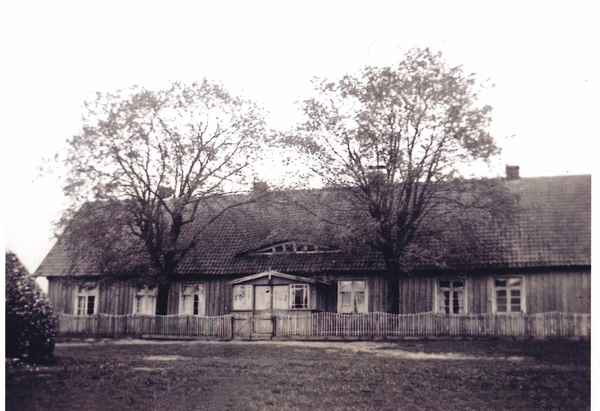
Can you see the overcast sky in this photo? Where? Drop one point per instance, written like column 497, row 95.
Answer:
column 541, row 55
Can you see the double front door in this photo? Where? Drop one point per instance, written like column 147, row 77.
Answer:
column 271, row 296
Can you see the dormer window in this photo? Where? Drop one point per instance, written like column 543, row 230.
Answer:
column 296, row 248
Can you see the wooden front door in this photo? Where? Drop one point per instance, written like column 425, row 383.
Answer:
column 262, row 297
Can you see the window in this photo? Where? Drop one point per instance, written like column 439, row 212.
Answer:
column 299, row 296
column 86, row 301
column 280, row 297
column 508, row 294
column 298, row 248
column 352, row 297
column 451, row 297
column 242, row 297
column 192, row 299
column 145, row 300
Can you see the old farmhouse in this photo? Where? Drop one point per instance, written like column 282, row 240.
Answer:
column 266, row 259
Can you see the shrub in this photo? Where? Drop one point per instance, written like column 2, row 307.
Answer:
column 30, row 325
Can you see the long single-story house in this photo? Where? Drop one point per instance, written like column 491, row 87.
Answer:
column 265, row 260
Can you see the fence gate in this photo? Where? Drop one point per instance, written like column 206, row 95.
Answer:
column 252, row 326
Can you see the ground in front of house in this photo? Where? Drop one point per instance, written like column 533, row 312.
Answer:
column 242, row 375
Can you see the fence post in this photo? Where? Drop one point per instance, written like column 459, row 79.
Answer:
column 274, row 326
column 251, row 328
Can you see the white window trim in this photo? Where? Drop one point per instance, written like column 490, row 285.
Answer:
column 289, row 288
column 294, row 247
column 339, row 302
column 85, row 291
column 203, row 309
column 523, row 293
column 146, row 292
column 437, row 301
column 306, row 287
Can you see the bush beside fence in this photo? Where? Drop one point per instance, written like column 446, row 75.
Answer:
column 545, row 325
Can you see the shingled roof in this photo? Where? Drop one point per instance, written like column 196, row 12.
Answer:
column 553, row 228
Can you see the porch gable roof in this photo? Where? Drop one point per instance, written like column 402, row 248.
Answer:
column 272, row 273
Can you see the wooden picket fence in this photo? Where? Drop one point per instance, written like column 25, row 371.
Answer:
column 323, row 325
column 545, row 325
column 135, row 325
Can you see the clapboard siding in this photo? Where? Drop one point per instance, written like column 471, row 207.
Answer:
column 479, row 300
column 560, row 290
column 379, row 289
column 217, row 292
column 61, row 293
column 116, row 298
column 553, row 289
column 326, row 298
column 417, row 294
column 218, row 295
column 173, row 303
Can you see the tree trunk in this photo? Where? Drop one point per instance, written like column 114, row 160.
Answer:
column 394, row 292
column 393, row 278
column 164, row 284
column 162, row 299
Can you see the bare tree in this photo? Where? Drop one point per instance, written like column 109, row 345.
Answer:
column 146, row 164
column 395, row 140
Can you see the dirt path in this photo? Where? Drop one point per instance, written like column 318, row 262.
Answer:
column 381, row 349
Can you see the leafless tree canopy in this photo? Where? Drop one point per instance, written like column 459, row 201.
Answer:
column 395, row 139
column 149, row 159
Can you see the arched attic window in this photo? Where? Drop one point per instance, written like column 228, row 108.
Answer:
column 294, row 247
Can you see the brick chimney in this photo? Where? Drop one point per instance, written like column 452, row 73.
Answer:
column 512, row 172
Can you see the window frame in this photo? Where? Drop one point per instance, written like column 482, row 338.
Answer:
column 353, row 292
column 272, row 304
column 509, row 288
column 145, row 291
column 249, row 295
column 291, row 296
column 86, row 292
column 439, row 290
column 295, row 247
column 199, row 289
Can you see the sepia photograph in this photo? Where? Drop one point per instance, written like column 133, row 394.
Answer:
column 271, row 205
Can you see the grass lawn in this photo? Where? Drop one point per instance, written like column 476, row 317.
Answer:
column 406, row 375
